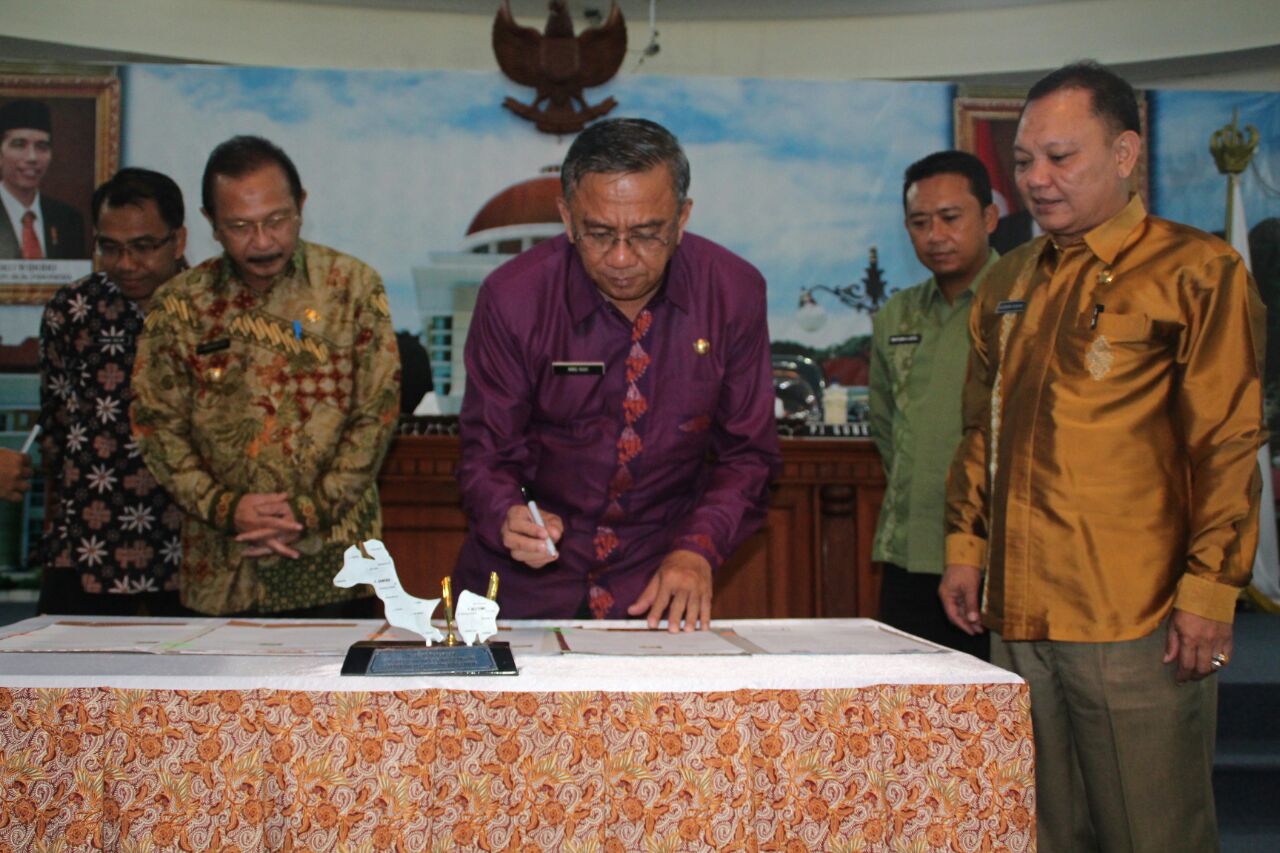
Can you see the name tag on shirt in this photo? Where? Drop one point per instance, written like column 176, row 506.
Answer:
column 578, row 368
column 213, row 346
column 895, row 340
column 1011, row 306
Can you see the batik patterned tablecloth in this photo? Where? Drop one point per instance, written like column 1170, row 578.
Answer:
column 877, row 768
column 786, row 753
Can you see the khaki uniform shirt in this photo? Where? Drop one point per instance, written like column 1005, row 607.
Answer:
column 1113, row 413
column 292, row 390
column 919, row 352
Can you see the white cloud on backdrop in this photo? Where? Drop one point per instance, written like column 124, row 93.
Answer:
column 801, row 178
column 386, row 195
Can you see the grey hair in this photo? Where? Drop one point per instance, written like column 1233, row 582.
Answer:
column 625, row 145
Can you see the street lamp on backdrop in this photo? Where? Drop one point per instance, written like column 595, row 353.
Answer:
column 865, row 296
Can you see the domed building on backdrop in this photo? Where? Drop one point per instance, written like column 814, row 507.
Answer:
column 519, row 217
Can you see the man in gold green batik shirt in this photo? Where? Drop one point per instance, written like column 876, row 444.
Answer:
column 1108, row 481
column 919, row 349
column 267, row 390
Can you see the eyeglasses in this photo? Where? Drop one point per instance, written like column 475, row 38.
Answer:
column 140, row 248
column 276, row 225
column 601, row 241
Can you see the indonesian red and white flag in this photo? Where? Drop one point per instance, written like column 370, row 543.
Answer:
column 1002, row 194
column 1265, row 588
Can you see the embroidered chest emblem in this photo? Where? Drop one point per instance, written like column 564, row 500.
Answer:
column 1099, row 358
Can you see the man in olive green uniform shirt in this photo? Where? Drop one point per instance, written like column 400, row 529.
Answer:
column 267, row 389
column 1108, row 480
column 920, row 347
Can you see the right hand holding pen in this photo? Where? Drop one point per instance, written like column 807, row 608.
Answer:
column 526, row 541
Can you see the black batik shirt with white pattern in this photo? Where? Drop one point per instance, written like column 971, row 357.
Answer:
column 111, row 522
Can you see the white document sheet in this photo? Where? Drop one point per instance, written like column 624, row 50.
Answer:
column 89, row 635
column 628, row 641
column 246, row 637
column 835, row 637
column 529, row 641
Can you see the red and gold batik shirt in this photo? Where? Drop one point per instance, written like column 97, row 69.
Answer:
column 296, row 390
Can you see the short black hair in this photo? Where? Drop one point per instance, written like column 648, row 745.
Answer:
column 239, row 156
column 624, row 145
column 950, row 163
column 1114, row 100
column 25, row 113
column 133, row 186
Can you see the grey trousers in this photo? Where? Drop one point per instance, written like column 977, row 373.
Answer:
column 1124, row 754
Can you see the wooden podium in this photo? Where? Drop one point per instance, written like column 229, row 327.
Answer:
column 811, row 559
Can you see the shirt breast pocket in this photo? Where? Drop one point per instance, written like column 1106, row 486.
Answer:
column 219, row 380
column 1115, row 346
column 694, row 411
column 573, row 399
column 1119, row 328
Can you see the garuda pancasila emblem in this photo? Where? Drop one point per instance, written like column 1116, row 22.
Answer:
column 559, row 65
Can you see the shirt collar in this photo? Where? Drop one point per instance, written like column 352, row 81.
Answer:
column 678, row 288
column 15, row 209
column 297, row 266
column 1110, row 237
column 933, row 293
column 1107, row 240
column 585, row 298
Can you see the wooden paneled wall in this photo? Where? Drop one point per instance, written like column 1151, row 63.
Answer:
column 811, row 559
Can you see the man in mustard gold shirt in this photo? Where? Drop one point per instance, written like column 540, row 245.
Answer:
column 1107, row 481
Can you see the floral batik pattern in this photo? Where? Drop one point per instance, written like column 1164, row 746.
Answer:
column 110, row 521
column 883, row 768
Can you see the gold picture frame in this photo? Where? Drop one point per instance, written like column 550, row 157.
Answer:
column 85, row 114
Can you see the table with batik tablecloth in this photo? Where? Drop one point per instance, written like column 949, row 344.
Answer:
column 577, row 753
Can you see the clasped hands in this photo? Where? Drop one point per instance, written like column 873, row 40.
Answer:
column 1193, row 641
column 265, row 522
column 680, row 588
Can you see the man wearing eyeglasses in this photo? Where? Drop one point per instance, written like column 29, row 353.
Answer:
column 112, row 543
column 32, row 224
column 621, row 373
column 267, row 391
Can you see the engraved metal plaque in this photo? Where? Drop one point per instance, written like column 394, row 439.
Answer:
column 391, row 657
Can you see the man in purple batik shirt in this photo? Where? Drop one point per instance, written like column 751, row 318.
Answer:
column 621, row 374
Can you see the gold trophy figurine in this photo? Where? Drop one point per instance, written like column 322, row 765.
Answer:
column 464, row 648
column 450, row 636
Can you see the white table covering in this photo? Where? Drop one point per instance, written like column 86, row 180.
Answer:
column 537, row 673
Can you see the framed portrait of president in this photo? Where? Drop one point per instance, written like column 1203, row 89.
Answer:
column 985, row 126
column 59, row 138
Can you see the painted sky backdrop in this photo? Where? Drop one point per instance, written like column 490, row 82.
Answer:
column 801, row 178
column 1187, row 186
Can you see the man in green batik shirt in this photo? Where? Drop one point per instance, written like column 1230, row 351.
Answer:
column 267, row 388
column 920, row 348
